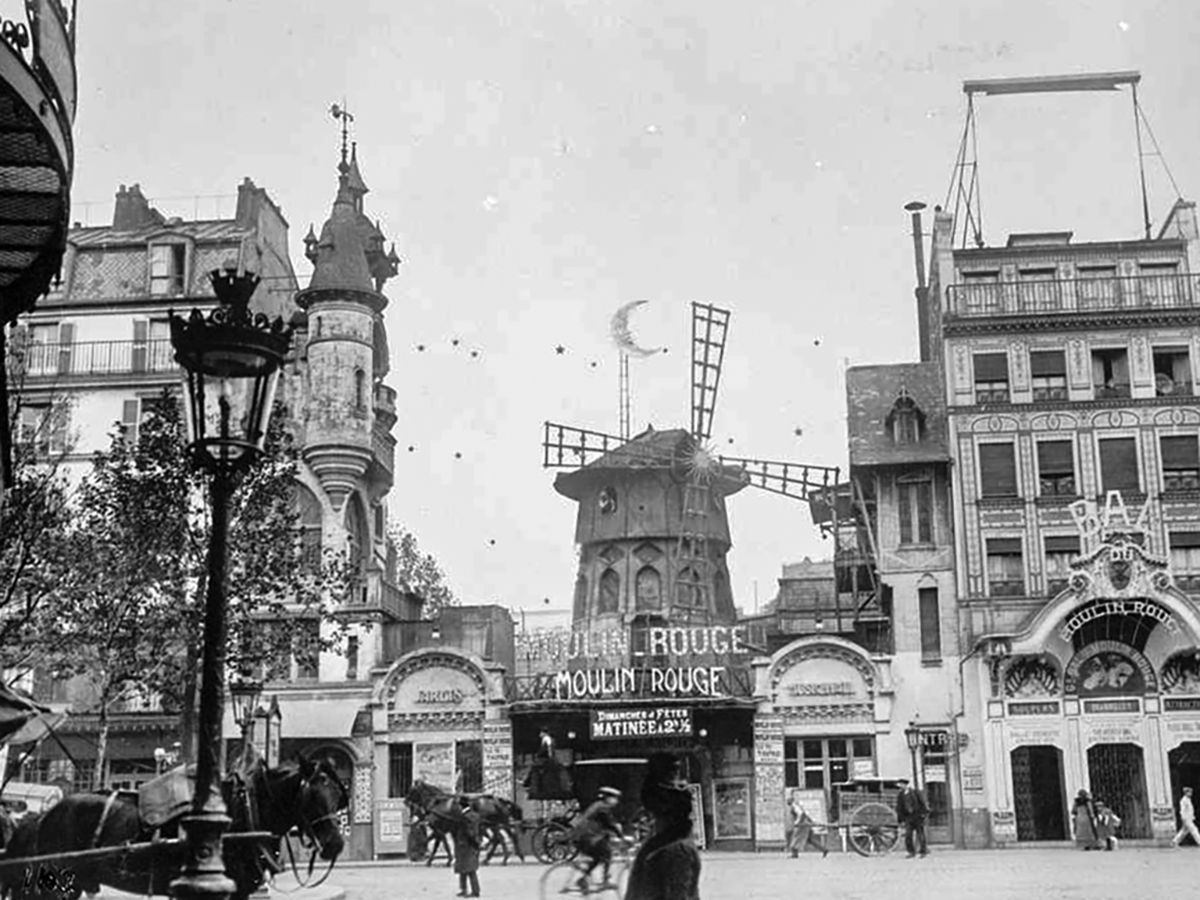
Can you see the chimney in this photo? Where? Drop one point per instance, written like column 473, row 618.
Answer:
column 132, row 211
column 248, row 198
column 922, row 289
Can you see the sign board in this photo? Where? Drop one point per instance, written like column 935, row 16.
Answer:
column 641, row 722
column 769, row 815
column 433, row 763
column 391, row 825
column 437, row 689
column 731, row 808
column 820, row 681
column 972, row 779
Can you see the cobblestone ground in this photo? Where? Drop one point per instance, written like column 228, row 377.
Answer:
column 1128, row 874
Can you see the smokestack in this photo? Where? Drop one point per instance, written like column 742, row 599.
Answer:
column 922, row 291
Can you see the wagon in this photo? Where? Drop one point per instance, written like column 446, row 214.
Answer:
column 550, row 841
column 865, row 809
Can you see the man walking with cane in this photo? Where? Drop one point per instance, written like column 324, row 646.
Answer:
column 1187, row 819
column 912, row 810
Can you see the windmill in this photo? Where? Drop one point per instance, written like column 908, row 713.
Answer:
column 652, row 526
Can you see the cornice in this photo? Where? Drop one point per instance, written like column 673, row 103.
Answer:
column 985, row 409
column 1071, row 320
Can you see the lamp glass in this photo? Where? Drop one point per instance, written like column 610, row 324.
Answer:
column 244, row 694
column 913, row 736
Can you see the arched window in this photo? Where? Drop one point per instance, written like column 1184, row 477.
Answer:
column 358, row 537
column 360, row 390
column 649, row 589
column 689, row 588
column 308, row 526
column 610, row 592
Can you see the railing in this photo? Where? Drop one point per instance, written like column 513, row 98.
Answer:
column 1014, row 298
column 98, row 358
column 383, row 448
column 376, row 595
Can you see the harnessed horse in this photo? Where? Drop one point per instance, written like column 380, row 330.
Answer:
column 443, row 812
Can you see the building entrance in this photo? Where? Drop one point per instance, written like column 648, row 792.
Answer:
column 1117, row 774
column 1039, row 799
column 1184, row 765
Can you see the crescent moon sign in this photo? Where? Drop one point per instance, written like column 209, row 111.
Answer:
column 623, row 337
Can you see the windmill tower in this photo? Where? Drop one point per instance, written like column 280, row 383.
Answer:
column 652, row 526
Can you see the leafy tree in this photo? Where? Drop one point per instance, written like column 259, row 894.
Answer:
column 419, row 572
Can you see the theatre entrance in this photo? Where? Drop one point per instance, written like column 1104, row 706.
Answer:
column 1184, row 765
column 1117, row 775
column 1039, row 798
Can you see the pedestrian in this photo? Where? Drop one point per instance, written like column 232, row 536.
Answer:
column 667, row 866
column 912, row 810
column 1187, row 819
column 1083, row 821
column 802, row 830
column 466, row 853
column 1107, row 823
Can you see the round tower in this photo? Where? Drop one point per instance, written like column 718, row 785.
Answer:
column 346, row 348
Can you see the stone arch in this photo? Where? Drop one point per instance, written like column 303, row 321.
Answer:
column 426, row 658
column 825, row 648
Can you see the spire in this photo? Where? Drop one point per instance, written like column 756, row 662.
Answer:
column 354, row 179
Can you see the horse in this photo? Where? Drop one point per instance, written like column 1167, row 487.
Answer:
column 443, row 812
column 304, row 795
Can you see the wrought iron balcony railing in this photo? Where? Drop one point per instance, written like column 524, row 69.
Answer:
column 88, row 358
column 1015, row 298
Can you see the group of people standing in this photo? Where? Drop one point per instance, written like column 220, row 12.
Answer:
column 1093, row 824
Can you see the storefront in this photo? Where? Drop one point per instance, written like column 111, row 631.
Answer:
column 438, row 716
column 824, row 705
column 1100, row 692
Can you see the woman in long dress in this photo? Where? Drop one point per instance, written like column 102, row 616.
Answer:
column 1083, row 821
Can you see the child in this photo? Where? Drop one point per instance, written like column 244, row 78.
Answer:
column 466, row 854
column 1107, row 823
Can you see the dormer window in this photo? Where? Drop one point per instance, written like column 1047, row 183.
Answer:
column 167, row 262
column 905, row 421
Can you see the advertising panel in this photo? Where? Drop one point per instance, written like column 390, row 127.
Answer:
column 642, row 722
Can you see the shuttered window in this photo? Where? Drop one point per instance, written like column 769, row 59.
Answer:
column 1185, row 560
column 915, row 510
column 997, row 470
column 1005, row 567
column 991, row 378
column 1060, row 550
column 1118, row 464
column 1180, row 463
column 931, row 634
column 1048, row 374
column 1056, row 468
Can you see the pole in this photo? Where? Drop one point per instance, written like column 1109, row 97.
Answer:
column 203, row 876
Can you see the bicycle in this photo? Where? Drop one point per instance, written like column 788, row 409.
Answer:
column 563, row 876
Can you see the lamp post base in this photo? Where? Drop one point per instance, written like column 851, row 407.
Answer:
column 203, row 876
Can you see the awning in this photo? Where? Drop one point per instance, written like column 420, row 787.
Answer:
column 307, row 717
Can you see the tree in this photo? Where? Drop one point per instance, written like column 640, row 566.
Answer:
column 418, row 572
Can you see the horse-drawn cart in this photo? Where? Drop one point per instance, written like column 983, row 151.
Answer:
column 865, row 811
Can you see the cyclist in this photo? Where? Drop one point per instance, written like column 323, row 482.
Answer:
column 593, row 833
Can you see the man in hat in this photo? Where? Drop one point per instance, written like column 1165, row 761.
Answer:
column 912, row 810
column 593, row 834
column 1187, row 819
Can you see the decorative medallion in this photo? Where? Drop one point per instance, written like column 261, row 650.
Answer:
column 1030, row 676
column 1181, row 674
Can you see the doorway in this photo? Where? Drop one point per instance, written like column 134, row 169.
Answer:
column 1117, row 775
column 1038, row 796
column 1184, row 765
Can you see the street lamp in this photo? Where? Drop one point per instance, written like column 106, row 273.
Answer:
column 244, row 694
column 232, row 359
column 912, row 734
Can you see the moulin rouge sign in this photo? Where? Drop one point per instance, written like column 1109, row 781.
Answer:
column 663, row 662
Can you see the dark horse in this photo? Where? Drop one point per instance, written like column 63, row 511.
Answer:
column 443, row 812
column 301, row 795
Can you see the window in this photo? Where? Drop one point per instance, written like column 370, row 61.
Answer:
column 1185, row 560
column 308, row 526
column 819, row 762
column 400, row 769
column 1060, row 550
column 1097, row 287
column 360, row 391
column 1159, row 283
column 1180, row 463
column 649, row 589
column 1040, row 289
column 151, row 346
column 306, row 649
column 610, row 592
column 166, row 269
column 931, row 633
column 1118, row 465
column 980, row 291
column 1048, row 370
column 991, row 378
column 468, row 766
column 1056, row 468
column 46, row 343
column 914, row 502
column 1005, row 567
column 1172, row 371
column 608, row 501
column 905, row 428
column 997, row 470
column 42, row 427
column 1110, row 372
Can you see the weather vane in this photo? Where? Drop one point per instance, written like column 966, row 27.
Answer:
column 340, row 112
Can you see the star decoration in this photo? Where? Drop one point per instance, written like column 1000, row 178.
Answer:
column 458, row 456
column 420, row 347
column 798, row 431
column 474, row 354
column 411, row 448
column 454, row 342
column 816, row 342
column 560, row 349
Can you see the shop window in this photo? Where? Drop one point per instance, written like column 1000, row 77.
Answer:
column 1048, row 373
column 468, row 765
column 1056, row 468
column 1185, row 560
column 1172, row 371
column 997, row 470
column 931, row 624
column 1005, row 568
column 914, row 502
column 813, row 763
column 991, row 378
column 649, row 589
column 1060, row 550
column 1110, row 372
column 1119, row 465
column 934, row 762
column 1180, row 463
column 610, row 592
column 400, row 769
column 166, row 269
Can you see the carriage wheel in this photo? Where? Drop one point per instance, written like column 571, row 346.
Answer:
column 551, row 842
column 873, row 830
column 562, row 878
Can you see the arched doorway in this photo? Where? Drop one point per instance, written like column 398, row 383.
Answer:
column 1184, row 765
column 1117, row 775
column 1038, row 793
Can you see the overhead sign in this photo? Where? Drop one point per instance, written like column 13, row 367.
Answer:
column 618, row 724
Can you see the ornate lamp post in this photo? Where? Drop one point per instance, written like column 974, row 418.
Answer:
column 912, row 734
column 244, row 695
column 232, row 361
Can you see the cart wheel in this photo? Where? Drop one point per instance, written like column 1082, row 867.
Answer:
column 550, row 843
column 873, row 830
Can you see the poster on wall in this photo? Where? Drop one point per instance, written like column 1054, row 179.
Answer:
column 391, row 826
column 433, row 763
column 699, row 833
column 731, row 808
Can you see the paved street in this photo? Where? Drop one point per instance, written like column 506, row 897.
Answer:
column 1128, row 874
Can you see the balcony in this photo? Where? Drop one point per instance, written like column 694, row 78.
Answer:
column 91, row 358
column 1023, row 298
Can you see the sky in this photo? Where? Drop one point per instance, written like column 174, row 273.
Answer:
column 541, row 164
